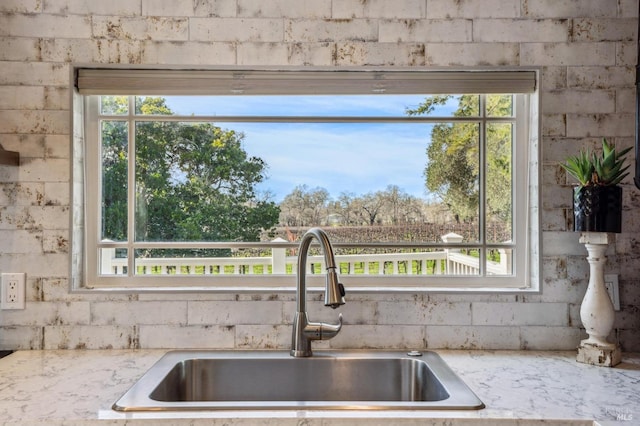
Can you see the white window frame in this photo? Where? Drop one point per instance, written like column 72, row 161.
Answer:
column 85, row 261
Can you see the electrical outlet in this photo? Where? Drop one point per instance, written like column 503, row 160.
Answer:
column 13, row 291
column 611, row 283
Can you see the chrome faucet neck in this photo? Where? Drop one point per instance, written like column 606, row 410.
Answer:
column 304, row 331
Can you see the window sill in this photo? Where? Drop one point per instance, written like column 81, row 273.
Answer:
column 314, row 285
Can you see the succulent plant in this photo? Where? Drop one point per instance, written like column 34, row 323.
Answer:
column 590, row 169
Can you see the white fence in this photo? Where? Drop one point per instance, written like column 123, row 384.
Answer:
column 448, row 261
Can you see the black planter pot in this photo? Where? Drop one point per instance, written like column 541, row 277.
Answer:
column 597, row 209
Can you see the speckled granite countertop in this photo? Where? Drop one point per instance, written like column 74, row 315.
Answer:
column 78, row 387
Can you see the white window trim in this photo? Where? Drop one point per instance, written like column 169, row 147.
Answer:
column 526, row 268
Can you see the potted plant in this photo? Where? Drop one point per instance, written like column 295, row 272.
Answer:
column 597, row 200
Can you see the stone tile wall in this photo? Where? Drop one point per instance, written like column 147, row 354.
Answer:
column 587, row 50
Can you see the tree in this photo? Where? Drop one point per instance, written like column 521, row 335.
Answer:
column 114, row 180
column 453, row 159
column 193, row 181
column 399, row 207
column 344, row 206
column 314, row 207
column 305, row 206
column 372, row 204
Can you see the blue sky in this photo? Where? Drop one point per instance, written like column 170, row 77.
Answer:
column 340, row 157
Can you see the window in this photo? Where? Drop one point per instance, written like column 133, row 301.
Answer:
column 423, row 180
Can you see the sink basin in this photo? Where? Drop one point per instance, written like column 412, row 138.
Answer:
column 267, row 380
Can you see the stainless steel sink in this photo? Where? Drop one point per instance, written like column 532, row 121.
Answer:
column 267, row 380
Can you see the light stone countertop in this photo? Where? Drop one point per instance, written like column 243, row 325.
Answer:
column 77, row 387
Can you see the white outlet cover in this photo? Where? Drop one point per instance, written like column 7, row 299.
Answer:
column 611, row 284
column 13, row 289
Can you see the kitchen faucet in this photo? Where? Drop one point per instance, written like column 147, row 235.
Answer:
column 304, row 331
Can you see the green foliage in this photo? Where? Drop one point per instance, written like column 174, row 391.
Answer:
column 580, row 167
column 193, row 182
column 114, row 180
column 591, row 169
column 453, row 158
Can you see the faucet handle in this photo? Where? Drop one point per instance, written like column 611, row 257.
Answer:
column 321, row 330
column 327, row 331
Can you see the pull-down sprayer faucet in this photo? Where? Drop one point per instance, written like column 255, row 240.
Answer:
column 304, row 331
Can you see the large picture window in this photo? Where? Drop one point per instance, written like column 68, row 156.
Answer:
column 209, row 179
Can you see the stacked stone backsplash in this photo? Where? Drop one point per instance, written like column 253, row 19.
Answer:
column 587, row 52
